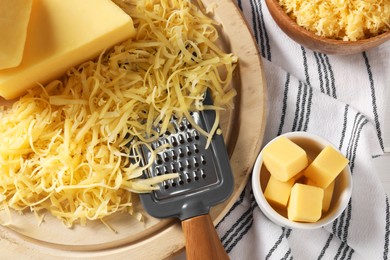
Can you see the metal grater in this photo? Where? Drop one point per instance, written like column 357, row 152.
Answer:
column 206, row 177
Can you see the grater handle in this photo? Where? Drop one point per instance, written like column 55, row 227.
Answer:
column 202, row 241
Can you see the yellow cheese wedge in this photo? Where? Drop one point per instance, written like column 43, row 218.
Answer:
column 328, row 194
column 326, row 166
column 277, row 192
column 62, row 34
column 305, row 204
column 14, row 18
column 284, row 159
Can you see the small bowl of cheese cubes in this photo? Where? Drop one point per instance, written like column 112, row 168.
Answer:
column 301, row 180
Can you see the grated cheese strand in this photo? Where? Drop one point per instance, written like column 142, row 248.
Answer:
column 71, row 147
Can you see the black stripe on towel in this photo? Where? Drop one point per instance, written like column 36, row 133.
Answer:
column 331, row 74
column 386, row 246
column 260, row 32
column 267, row 44
column 236, row 224
column 330, row 238
column 284, row 108
column 347, row 249
column 321, row 56
column 309, row 103
column 237, row 203
column 277, row 243
column 353, row 156
column 350, row 254
column 339, row 224
column 297, row 107
column 346, row 109
column 243, row 226
column 362, row 122
column 373, row 99
column 255, row 26
column 305, row 66
column 319, row 69
column 344, row 126
column 288, row 253
column 305, row 105
column 341, row 247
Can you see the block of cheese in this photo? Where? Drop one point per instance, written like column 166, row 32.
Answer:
column 284, row 159
column 277, row 192
column 62, row 34
column 326, row 166
column 328, row 194
column 305, row 204
column 14, row 18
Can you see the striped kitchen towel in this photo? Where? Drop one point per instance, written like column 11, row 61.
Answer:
column 342, row 99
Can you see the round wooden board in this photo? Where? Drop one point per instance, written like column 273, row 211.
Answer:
column 243, row 129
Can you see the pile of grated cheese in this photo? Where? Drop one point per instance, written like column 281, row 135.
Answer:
column 347, row 20
column 65, row 147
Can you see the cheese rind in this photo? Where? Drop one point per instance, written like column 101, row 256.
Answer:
column 284, row 159
column 14, row 18
column 277, row 192
column 62, row 34
column 325, row 167
column 305, row 204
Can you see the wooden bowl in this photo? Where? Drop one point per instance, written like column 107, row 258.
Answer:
column 317, row 43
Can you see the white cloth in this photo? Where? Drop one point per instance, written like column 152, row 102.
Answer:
column 342, row 99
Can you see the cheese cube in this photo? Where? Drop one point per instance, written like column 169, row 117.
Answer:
column 328, row 194
column 14, row 18
column 305, row 204
column 277, row 192
column 284, row 159
column 62, row 34
column 326, row 166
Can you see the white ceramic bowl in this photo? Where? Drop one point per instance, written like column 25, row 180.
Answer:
column 312, row 144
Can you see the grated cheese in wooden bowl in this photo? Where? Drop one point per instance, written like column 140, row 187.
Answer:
column 348, row 20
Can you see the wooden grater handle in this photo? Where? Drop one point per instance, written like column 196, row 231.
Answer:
column 202, row 241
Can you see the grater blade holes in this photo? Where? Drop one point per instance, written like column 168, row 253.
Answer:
column 181, row 139
column 159, row 160
column 174, row 141
column 196, row 163
column 181, row 167
column 196, row 148
column 181, row 153
column 165, row 157
column 203, row 160
column 196, row 135
column 188, row 151
column 203, row 174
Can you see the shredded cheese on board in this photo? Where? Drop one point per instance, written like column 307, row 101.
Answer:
column 347, row 20
column 65, row 148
